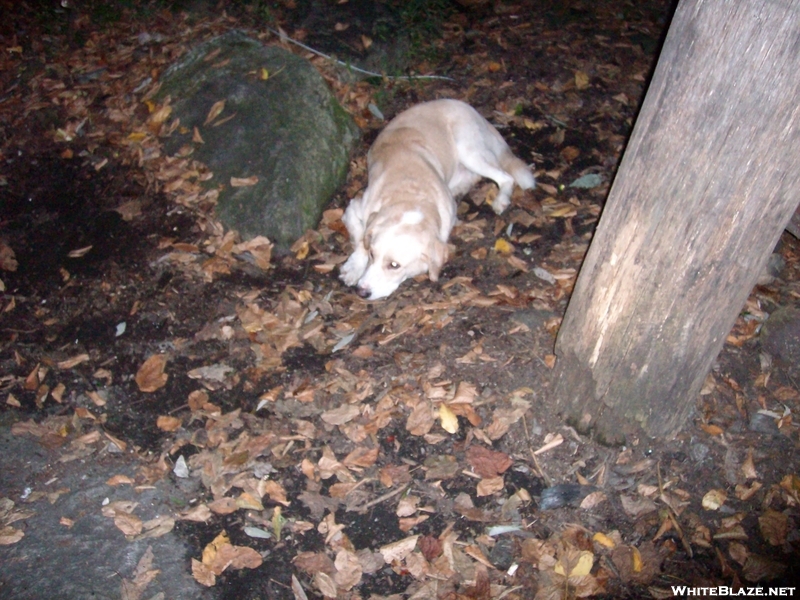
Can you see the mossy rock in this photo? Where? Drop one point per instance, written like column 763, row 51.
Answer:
column 280, row 123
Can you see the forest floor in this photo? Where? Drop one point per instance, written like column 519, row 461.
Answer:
column 180, row 422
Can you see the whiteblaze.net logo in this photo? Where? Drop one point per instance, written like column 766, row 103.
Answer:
column 683, row 591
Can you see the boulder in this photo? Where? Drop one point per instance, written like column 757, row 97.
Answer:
column 780, row 337
column 280, row 124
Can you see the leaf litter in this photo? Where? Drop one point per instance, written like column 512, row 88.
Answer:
column 303, row 412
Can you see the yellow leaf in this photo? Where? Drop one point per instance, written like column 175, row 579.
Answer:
column 210, row 551
column 278, row 521
column 303, row 251
column 636, row 556
column 448, row 419
column 603, row 540
column 503, row 246
column 581, row 80
column 263, row 74
column 584, row 566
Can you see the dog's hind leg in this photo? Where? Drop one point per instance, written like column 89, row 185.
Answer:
column 486, row 166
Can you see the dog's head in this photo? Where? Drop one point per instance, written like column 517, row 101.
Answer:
column 400, row 246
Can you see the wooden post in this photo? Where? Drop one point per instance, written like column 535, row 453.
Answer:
column 709, row 179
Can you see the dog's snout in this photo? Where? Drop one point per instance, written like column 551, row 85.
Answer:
column 363, row 292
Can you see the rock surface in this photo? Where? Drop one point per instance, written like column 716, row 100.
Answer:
column 780, row 336
column 280, row 124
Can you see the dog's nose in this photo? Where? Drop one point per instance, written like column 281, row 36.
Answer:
column 363, row 292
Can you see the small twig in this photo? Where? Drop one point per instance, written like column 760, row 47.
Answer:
column 380, row 499
column 283, row 36
column 671, row 514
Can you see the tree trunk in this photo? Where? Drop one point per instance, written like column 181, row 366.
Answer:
column 709, row 180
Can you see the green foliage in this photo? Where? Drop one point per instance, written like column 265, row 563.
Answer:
column 423, row 20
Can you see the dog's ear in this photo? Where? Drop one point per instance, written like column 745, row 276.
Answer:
column 353, row 219
column 436, row 259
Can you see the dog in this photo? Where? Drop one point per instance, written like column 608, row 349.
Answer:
column 423, row 160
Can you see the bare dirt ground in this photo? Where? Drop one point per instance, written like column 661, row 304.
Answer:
column 183, row 417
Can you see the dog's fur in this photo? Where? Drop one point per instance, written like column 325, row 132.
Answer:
column 424, row 159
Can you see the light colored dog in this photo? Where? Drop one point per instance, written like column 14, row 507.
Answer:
column 425, row 158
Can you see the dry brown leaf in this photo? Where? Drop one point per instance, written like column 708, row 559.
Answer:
column 326, row 585
column 774, row 527
column 361, row 458
column 398, row 550
column 748, row 466
column 57, row 393
column 636, row 506
column 223, row 506
column 215, row 111
column 74, row 361
column 392, row 475
column 203, row 573
column 119, row 480
column 314, row 562
column 235, row 557
column 348, row 569
column 151, row 375
column 761, row 568
column 490, row 485
column 8, row 260
column 80, row 252
column 237, row 182
column 421, row 419
column 341, row 415
column 487, row 463
column 249, row 502
column 200, row 514
column 128, row 523
column 10, row 535
column 167, row 423
column 714, row 499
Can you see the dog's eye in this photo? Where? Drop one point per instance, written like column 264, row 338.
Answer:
column 394, row 265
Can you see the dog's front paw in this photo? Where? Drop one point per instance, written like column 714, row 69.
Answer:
column 352, row 270
column 500, row 203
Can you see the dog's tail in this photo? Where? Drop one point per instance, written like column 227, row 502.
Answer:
column 518, row 169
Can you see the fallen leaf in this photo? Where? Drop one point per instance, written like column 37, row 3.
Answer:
column 167, row 423
column 490, row 485
column 774, row 527
column 487, row 463
column 448, row 419
column 714, row 499
column 237, row 182
column 398, row 550
column 502, row 246
column 151, row 375
column 79, row 252
column 215, row 111
column 581, row 80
